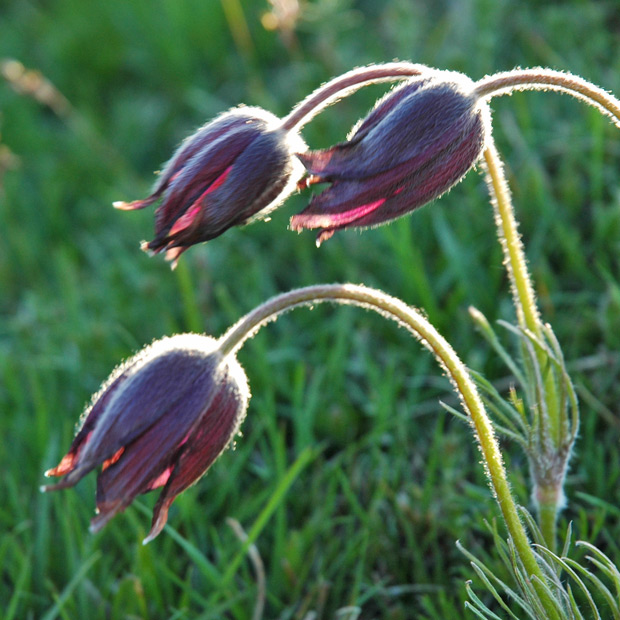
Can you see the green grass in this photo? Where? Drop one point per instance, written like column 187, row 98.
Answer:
column 353, row 480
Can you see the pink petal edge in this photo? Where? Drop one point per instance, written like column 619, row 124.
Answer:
column 333, row 220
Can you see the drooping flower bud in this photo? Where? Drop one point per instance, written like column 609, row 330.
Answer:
column 418, row 142
column 160, row 420
column 237, row 167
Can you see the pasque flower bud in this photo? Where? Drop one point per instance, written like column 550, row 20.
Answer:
column 236, row 167
column 415, row 145
column 160, row 420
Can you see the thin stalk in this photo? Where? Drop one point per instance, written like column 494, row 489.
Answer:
column 346, row 84
column 548, row 491
column 411, row 319
column 549, row 500
column 546, row 79
column 504, row 83
column 514, row 256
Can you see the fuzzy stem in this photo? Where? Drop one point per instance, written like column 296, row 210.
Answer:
column 529, row 318
column 412, row 320
column 344, row 85
column 514, row 256
column 549, row 494
column 546, row 79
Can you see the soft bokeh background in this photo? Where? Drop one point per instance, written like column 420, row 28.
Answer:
column 94, row 97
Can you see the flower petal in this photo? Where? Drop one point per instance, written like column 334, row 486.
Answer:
column 199, row 173
column 145, row 462
column 349, row 204
column 136, row 204
column 208, row 134
column 71, row 464
column 387, row 103
column 141, row 464
column 414, row 131
column 334, row 220
column 210, row 437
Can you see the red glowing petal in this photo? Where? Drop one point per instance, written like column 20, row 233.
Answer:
column 172, row 256
column 309, row 180
column 136, row 204
column 105, row 513
column 187, row 219
column 66, row 465
column 69, row 461
column 159, row 520
column 324, row 235
column 203, row 445
column 161, row 479
column 219, row 181
column 113, row 459
column 333, row 220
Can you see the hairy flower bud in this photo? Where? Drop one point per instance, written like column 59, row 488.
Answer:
column 415, row 145
column 160, row 420
column 237, row 167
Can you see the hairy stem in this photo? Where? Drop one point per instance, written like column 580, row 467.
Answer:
column 528, row 316
column 413, row 321
column 514, row 256
column 547, row 79
column 344, row 85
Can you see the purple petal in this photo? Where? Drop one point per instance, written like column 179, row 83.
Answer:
column 211, row 436
column 386, row 104
column 199, row 172
column 345, row 204
column 421, row 125
column 142, row 462
column 137, row 394
column 210, row 132
column 71, row 463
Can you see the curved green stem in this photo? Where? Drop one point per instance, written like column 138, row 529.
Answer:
column 420, row 327
column 547, row 79
column 344, row 85
column 548, row 499
column 554, row 442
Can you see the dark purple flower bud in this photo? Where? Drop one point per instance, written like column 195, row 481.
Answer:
column 237, row 167
column 160, row 420
column 418, row 142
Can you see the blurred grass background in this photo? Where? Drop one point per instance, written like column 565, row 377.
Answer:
column 345, row 409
